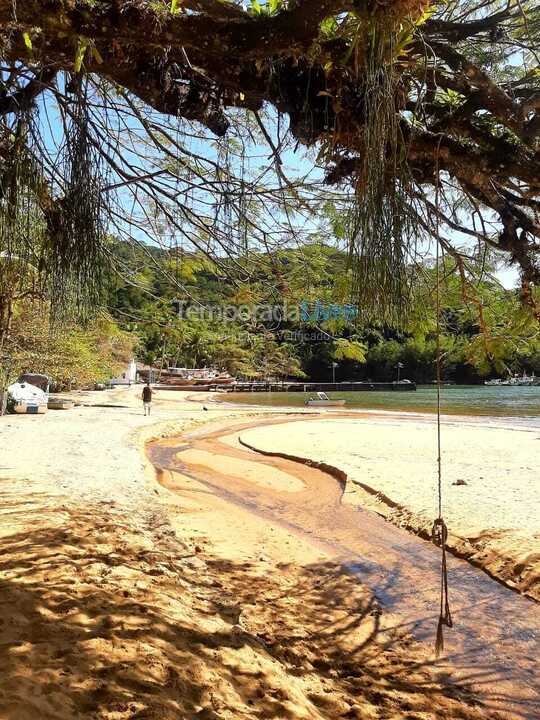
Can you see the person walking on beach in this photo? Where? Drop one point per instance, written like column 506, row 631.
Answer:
column 147, row 398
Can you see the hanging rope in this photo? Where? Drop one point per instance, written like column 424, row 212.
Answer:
column 439, row 532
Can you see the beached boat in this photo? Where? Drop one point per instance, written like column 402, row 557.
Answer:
column 60, row 404
column 213, row 378
column 322, row 400
column 24, row 408
column 29, row 395
column 173, row 379
column 192, row 377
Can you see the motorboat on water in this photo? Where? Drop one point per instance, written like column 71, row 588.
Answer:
column 528, row 380
column 322, row 400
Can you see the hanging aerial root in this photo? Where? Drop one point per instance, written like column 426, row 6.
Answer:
column 21, row 222
column 75, row 223
column 382, row 229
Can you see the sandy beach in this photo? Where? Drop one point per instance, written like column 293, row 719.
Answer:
column 490, row 481
column 127, row 593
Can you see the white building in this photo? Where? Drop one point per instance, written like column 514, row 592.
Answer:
column 128, row 377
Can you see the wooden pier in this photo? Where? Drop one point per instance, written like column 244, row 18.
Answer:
column 316, row 387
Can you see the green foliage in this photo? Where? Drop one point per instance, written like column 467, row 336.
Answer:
column 72, row 355
column 349, row 350
column 82, row 46
column 484, row 327
column 270, row 7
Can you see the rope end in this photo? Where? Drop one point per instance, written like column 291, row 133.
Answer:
column 439, row 641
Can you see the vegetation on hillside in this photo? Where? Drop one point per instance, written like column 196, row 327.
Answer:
column 71, row 354
column 253, row 330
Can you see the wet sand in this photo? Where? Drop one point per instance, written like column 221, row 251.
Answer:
column 490, row 481
column 402, row 571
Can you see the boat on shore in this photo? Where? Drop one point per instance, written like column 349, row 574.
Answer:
column 55, row 403
column 167, row 379
column 24, row 408
column 29, row 395
column 178, row 378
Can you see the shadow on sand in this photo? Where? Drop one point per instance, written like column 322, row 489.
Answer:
column 101, row 618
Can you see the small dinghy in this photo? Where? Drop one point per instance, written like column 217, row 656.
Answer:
column 60, row 404
column 322, row 400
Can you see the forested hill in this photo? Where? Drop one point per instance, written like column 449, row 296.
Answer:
column 291, row 318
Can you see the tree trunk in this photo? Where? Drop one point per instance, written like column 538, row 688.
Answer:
column 6, row 314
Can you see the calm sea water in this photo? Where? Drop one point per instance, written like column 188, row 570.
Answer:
column 514, row 402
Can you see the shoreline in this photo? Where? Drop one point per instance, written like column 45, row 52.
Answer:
column 453, row 414
column 505, row 566
column 380, row 458
column 509, row 422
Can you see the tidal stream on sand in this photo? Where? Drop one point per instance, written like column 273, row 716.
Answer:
column 495, row 638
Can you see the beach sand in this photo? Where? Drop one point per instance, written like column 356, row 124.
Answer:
column 122, row 599
column 490, row 481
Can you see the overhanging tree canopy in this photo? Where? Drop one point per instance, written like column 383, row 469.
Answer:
column 398, row 97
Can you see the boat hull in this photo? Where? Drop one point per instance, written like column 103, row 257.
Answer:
column 29, row 409
column 60, row 405
column 174, row 380
column 325, row 403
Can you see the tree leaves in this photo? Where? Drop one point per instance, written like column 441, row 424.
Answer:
column 345, row 349
column 70, row 354
column 82, row 46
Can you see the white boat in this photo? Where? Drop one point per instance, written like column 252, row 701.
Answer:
column 24, row 408
column 25, row 398
column 322, row 400
column 514, row 381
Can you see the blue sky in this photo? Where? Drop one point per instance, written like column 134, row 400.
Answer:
column 296, row 164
